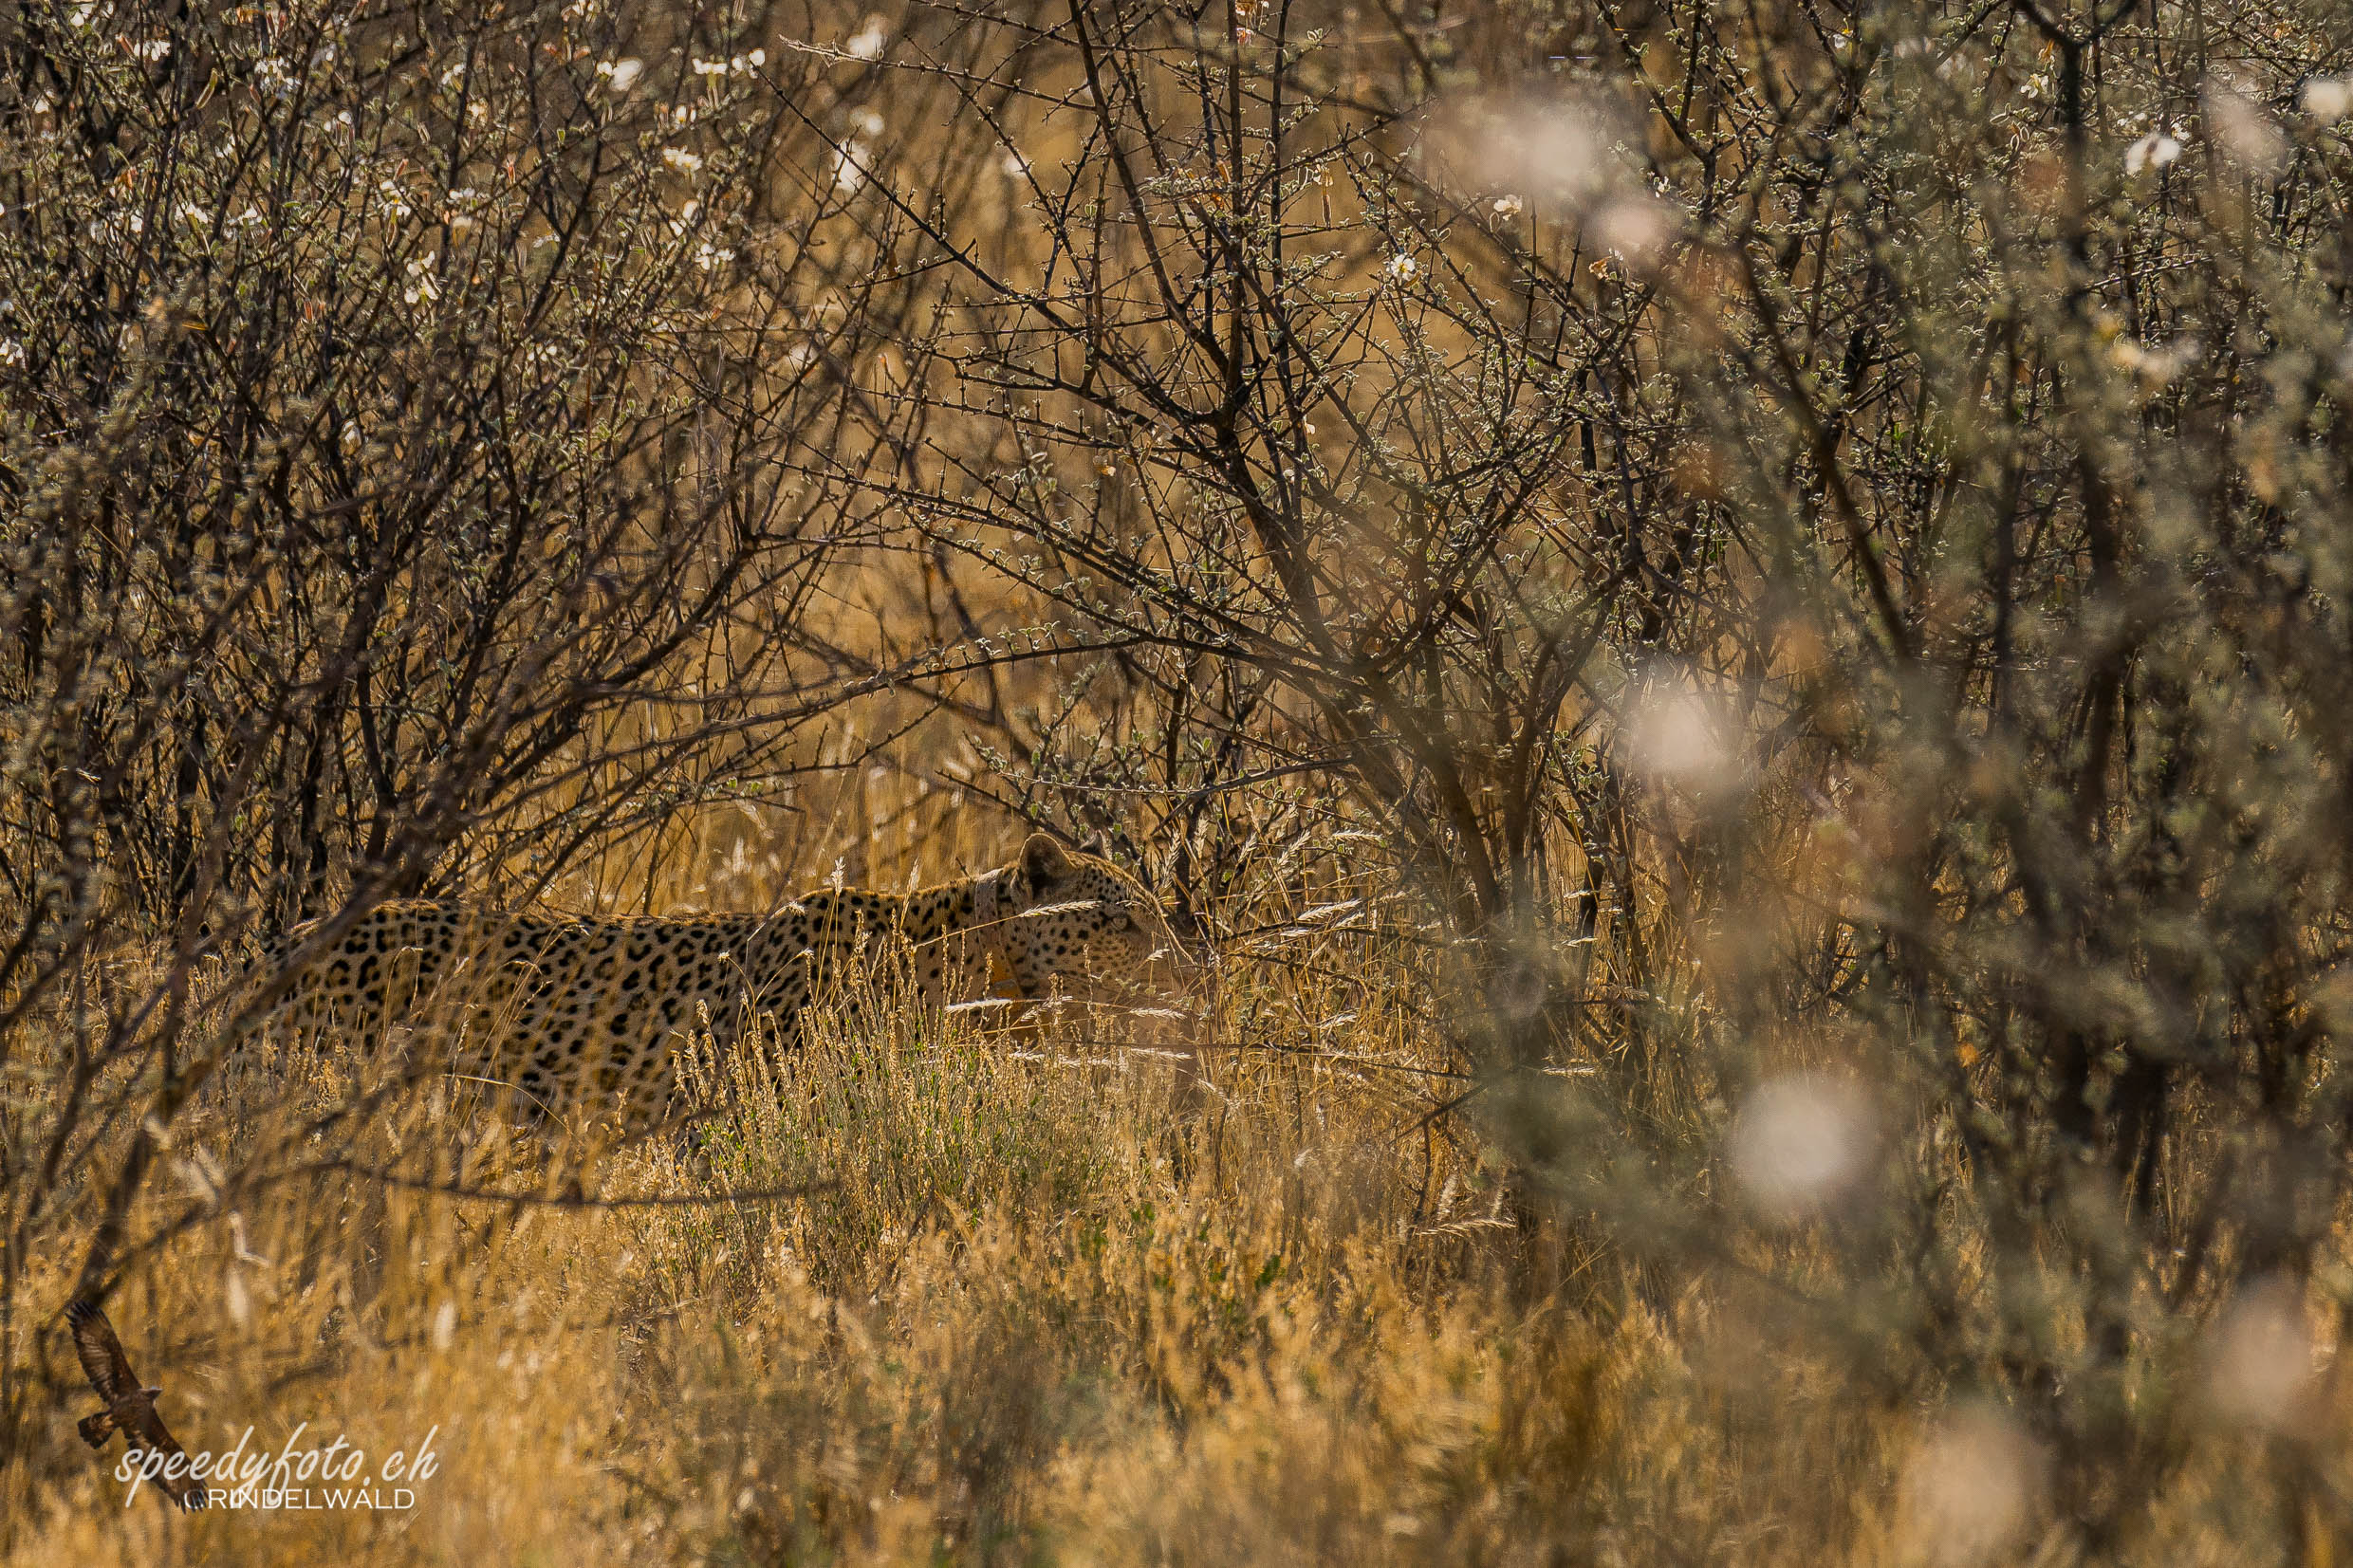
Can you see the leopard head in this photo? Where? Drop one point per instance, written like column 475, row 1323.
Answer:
column 1076, row 921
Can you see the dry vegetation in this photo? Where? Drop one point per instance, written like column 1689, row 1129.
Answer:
column 1730, row 619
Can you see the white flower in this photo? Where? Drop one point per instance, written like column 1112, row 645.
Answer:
column 1969, row 1490
column 274, row 76
column 1509, row 207
column 12, row 352
column 868, row 44
column 871, row 122
column 1014, row 165
column 192, row 215
column 736, row 65
column 682, row 161
column 849, row 171
column 1402, row 268
column 422, row 287
column 2327, row 97
column 1633, row 228
column 2243, row 129
column 707, row 256
column 1801, row 1143
column 620, row 74
column 2262, row 1363
column 153, row 49
column 2156, row 365
column 2154, row 151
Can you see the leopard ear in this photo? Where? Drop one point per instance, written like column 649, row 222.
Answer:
column 1042, row 861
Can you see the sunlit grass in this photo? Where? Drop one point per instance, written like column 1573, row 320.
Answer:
column 1036, row 1298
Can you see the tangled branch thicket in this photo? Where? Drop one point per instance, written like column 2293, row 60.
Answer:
column 1728, row 619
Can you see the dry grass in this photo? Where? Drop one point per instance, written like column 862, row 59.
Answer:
column 1037, row 1313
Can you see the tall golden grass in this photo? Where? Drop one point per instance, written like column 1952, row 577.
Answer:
column 1042, row 1304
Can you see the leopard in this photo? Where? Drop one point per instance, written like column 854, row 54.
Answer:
column 587, row 1013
